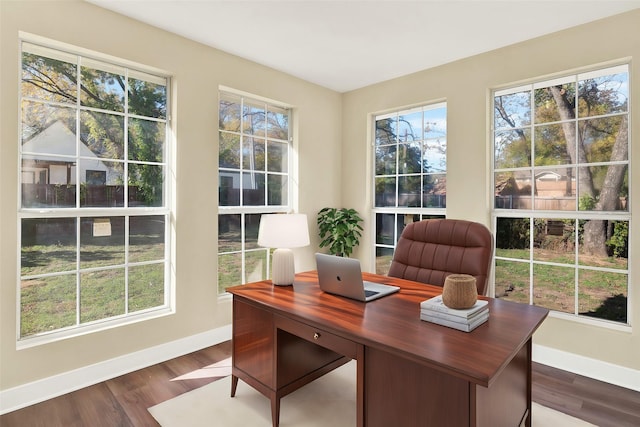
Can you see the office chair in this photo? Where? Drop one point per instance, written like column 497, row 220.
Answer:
column 430, row 250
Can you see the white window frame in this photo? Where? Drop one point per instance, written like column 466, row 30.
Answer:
column 78, row 213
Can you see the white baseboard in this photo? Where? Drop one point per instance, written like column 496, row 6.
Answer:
column 585, row 366
column 57, row 385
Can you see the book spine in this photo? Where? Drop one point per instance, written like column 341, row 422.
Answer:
column 466, row 327
column 452, row 317
column 464, row 314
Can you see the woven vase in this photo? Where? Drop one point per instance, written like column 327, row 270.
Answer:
column 459, row 291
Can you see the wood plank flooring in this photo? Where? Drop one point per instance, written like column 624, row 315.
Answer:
column 123, row 401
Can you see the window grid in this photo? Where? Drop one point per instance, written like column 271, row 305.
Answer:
column 409, row 173
column 252, row 153
column 99, row 231
column 571, row 281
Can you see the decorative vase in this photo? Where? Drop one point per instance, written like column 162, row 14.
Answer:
column 459, row 291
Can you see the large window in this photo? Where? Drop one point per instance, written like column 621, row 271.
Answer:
column 561, row 179
column 93, row 207
column 254, row 168
column 410, row 173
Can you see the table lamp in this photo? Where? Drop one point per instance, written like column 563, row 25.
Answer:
column 283, row 232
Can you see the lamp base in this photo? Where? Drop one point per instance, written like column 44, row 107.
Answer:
column 282, row 268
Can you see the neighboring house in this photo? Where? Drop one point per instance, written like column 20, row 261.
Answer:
column 58, row 165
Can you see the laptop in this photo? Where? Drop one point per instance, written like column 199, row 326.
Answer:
column 343, row 276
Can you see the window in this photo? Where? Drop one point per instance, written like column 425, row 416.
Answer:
column 93, row 207
column 254, row 167
column 410, row 173
column 561, row 180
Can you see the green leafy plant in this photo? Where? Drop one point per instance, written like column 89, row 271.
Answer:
column 339, row 230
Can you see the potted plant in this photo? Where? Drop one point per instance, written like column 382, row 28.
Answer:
column 339, row 230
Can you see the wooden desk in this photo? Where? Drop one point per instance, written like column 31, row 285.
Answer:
column 409, row 372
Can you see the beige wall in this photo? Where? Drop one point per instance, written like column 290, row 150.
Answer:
column 466, row 85
column 331, row 130
column 197, row 73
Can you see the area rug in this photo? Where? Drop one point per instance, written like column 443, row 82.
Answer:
column 328, row 401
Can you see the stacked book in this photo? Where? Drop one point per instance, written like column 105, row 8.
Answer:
column 433, row 310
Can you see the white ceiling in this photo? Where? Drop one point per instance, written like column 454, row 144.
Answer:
column 348, row 44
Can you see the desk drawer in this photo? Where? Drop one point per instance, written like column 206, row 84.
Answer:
column 318, row 336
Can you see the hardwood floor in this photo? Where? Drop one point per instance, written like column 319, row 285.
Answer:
column 123, row 401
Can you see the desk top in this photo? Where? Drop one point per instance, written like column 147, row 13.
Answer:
column 393, row 324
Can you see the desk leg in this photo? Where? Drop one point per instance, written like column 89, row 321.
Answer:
column 275, row 411
column 529, row 382
column 234, row 385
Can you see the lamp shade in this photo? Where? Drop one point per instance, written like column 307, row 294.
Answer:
column 283, row 231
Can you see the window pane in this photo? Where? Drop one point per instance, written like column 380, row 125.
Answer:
column 555, row 103
column 386, row 131
column 409, row 158
column 434, row 156
column 253, row 152
column 102, row 85
column 385, row 229
column 48, row 129
column 554, row 287
column 48, row 74
column 386, row 160
column 434, row 191
column 229, row 113
column 410, row 127
column 253, row 189
column 513, row 190
column 101, row 242
column 146, row 286
column 48, row 245
column 146, row 140
column 229, row 151
column 555, row 189
column 603, row 295
column 147, row 95
column 47, row 304
column 277, row 123
column 385, row 192
column 512, row 148
column 603, row 95
column 409, row 190
column 229, row 188
column 604, row 243
column 102, row 135
column 101, row 183
column 48, row 181
column 254, row 120
column 146, row 238
column 251, row 227
column 229, row 233
column 229, row 270
column 102, row 294
column 278, row 193
column 278, row 159
column 551, row 145
column 512, row 281
column 384, row 256
column 512, row 110
column 256, row 266
column 554, row 240
column 145, row 185
column 600, row 137
column 513, row 238
column 610, row 188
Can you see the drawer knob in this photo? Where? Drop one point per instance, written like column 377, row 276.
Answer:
column 316, row 336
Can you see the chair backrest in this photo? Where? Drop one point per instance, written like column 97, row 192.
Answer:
column 430, row 250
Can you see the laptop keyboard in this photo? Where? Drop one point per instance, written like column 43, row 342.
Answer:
column 370, row 293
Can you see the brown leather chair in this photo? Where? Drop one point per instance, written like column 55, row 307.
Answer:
column 430, row 250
